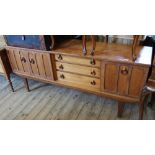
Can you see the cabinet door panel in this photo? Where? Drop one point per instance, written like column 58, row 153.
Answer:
column 110, row 77
column 40, row 63
column 25, row 61
column 33, row 63
column 138, row 79
column 12, row 60
column 48, row 66
column 18, row 61
column 123, row 80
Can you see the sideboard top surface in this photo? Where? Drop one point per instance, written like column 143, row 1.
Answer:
column 107, row 51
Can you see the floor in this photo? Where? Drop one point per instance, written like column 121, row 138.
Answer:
column 50, row 102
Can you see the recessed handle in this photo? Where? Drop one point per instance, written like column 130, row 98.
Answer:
column 124, row 70
column 92, row 62
column 93, row 83
column 23, row 59
column 61, row 67
column 60, row 57
column 62, row 76
column 93, row 73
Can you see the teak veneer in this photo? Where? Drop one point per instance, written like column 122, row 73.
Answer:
column 110, row 72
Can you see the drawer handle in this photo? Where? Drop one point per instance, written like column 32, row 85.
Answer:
column 92, row 62
column 59, row 57
column 32, row 61
column 23, row 38
column 62, row 76
column 61, row 67
column 124, row 70
column 93, row 83
column 93, row 73
column 23, row 59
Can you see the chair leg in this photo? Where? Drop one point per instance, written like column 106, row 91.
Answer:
column 120, row 109
column 141, row 110
column 26, row 84
column 11, row 86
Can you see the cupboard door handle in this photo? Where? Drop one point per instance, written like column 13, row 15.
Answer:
column 62, row 76
column 23, row 38
column 93, row 83
column 59, row 57
column 92, row 62
column 32, row 61
column 93, row 73
column 23, row 59
column 124, row 70
column 61, row 67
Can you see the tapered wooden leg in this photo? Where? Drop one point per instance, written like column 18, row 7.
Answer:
column 11, row 86
column 141, row 109
column 120, row 109
column 26, row 84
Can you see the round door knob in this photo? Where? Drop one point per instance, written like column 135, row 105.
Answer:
column 124, row 70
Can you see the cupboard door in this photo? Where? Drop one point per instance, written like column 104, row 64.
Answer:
column 12, row 60
column 123, row 79
column 48, row 66
column 137, row 80
column 25, row 62
column 109, row 77
column 33, row 63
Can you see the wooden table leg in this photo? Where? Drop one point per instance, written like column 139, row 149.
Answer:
column 26, row 84
column 120, row 109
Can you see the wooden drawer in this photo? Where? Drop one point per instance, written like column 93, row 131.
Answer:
column 77, row 60
column 90, row 71
column 79, row 80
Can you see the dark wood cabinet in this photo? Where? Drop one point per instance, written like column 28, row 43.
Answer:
column 40, row 42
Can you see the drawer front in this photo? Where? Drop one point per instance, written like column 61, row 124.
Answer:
column 79, row 80
column 77, row 60
column 90, row 71
column 26, row 41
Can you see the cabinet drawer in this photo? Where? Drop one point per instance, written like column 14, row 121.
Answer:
column 79, row 80
column 90, row 71
column 77, row 60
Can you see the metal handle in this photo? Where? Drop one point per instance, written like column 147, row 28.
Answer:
column 124, row 70
column 93, row 83
column 59, row 57
column 62, row 76
column 23, row 38
column 93, row 72
column 23, row 59
column 61, row 67
column 32, row 61
column 92, row 62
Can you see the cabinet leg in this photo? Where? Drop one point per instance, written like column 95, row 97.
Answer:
column 11, row 86
column 141, row 109
column 26, row 84
column 120, row 109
